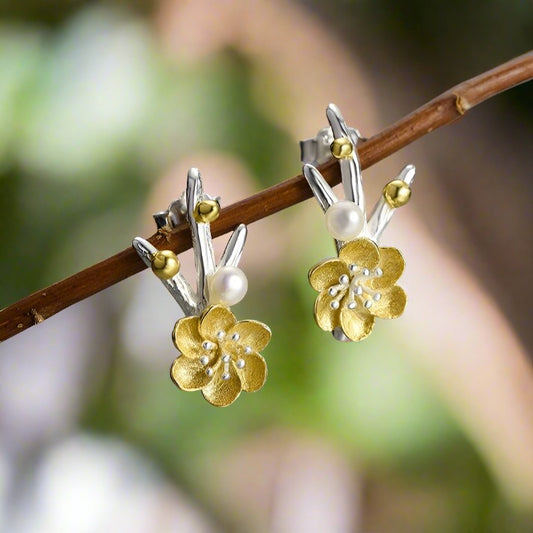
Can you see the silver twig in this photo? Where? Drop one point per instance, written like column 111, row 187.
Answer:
column 193, row 302
column 382, row 212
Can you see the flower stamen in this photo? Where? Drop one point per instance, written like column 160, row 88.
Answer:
column 358, row 289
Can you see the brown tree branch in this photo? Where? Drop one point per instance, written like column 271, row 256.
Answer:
column 443, row 110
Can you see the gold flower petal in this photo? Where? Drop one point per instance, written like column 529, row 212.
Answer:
column 391, row 304
column 222, row 392
column 361, row 252
column 326, row 317
column 187, row 338
column 327, row 273
column 252, row 333
column 254, row 373
column 215, row 319
column 356, row 323
column 189, row 374
column 392, row 264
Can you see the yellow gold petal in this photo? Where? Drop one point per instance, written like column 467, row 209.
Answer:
column 392, row 264
column 187, row 338
column 356, row 323
column 214, row 320
column 391, row 304
column 327, row 273
column 252, row 333
column 189, row 374
column 253, row 374
column 222, row 392
column 326, row 316
column 361, row 252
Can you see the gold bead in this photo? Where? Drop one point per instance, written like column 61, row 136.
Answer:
column 397, row 193
column 341, row 148
column 206, row 211
column 165, row 264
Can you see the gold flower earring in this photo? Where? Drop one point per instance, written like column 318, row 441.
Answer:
column 218, row 354
column 360, row 284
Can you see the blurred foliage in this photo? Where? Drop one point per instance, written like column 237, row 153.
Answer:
column 82, row 132
column 91, row 113
column 444, row 40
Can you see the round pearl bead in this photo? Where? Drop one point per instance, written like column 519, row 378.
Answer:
column 344, row 220
column 227, row 286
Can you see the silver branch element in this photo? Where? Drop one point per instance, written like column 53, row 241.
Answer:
column 313, row 151
column 193, row 302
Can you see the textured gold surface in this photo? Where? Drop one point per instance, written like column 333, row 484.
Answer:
column 392, row 264
column 356, row 324
column 252, row 333
column 187, row 338
column 216, row 343
column 255, row 377
column 362, row 252
column 320, row 275
column 206, row 211
column 189, row 374
column 392, row 303
column 397, row 193
column 326, row 317
column 341, row 148
column 165, row 264
column 215, row 319
column 221, row 393
column 357, row 287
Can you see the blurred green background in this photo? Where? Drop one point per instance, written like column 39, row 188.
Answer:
column 103, row 106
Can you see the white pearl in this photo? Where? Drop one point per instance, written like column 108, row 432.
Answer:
column 344, row 220
column 227, row 286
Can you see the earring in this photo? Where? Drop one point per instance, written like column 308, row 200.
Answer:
column 360, row 284
column 218, row 354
